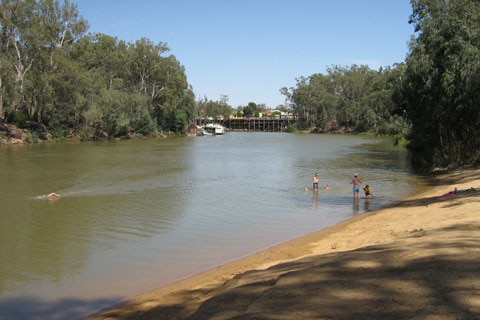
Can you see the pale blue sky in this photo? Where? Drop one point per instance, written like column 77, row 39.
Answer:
column 249, row 49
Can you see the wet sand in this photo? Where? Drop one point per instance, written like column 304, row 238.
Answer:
column 417, row 259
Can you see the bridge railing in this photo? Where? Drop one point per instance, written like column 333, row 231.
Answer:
column 267, row 124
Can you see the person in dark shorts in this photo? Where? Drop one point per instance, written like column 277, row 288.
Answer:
column 315, row 182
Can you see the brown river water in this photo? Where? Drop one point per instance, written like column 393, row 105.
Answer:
column 137, row 214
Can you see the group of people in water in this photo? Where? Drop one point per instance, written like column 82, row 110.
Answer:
column 356, row 182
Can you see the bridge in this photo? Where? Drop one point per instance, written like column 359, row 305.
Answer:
column 271, row 124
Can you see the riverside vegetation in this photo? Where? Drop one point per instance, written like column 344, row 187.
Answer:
column 58, row 81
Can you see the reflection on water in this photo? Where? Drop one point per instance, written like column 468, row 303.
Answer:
column 137, row 213
column 315, row 199
column 366, row 205
column 356, row 207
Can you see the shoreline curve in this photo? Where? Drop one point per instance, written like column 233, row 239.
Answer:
column 416, row 258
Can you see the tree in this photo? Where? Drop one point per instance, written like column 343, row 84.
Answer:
column 163, row 80
column 251, row 110
column 16, row 51
column 356, row 98
column 33, row 34
column 441, row 91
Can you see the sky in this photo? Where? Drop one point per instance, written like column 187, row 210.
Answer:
column 248, row 50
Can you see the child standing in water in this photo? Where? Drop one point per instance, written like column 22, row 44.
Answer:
column 367, row 191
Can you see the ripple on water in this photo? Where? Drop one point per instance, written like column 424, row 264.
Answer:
column 160, row 210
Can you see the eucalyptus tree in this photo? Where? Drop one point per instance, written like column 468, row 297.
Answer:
column 33, row 34
column 59, row 26
column 175, row 102
column 53, row 76
column 377, row 104
column 210, row 109
column 354, row 98
column 146, row 62
column 353, row 87
column 301, row 102
column 107, row 57
column 225, row 110
column 323, row 101
column 394, row 121
column 163, row 80
column 441, row 91
column 114, row 113
column 251, row 110
column 16, row 51
column 111, row 104
column 7, row 85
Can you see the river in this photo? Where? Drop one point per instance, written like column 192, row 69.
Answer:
column 137, row 214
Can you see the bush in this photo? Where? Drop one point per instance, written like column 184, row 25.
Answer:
column 292, row 127
column 31, row 137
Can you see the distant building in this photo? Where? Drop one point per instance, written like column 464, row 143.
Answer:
column 274, row 113
column 193, row 130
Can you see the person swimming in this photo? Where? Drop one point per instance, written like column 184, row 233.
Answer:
column 51, row 196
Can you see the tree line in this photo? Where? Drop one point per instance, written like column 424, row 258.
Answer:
column 353, row 98
column 55, row 78
column 58, row 80
column 432, row 99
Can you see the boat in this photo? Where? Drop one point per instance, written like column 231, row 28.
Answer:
column 206, row 133
column 213, row 129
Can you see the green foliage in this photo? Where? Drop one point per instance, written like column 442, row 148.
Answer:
column 292, row 127
column 248, row 111
column 441, row 89
column 18, row 118
column 178, row 122
column 214, row 109
column 59, row 132
column 86, row 133
column 396, row 126
column 252, row 110
column 54, row 76
column 95, row 85
column 354, row 98
column 142, row 122
column 115, row 113
column 32, row 137
column 432, row 99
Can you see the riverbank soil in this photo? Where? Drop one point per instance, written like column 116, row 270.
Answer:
column 417, row 259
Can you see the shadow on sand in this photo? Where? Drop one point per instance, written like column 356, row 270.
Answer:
column 416, row 277
column 458, row 198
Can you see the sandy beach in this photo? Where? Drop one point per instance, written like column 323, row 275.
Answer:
column 417, row 259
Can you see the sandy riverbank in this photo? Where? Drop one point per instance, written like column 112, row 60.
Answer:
column 417, row 259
